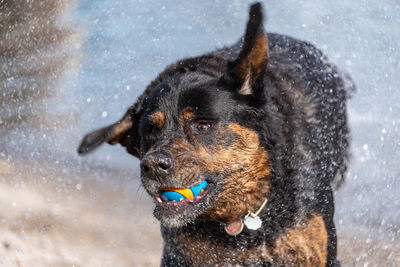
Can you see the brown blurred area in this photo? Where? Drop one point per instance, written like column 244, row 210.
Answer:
column 53, row 214
column 37, row 46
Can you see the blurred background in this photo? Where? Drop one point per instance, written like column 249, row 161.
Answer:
column 69, row 66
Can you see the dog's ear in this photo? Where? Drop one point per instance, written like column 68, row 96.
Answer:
column 245, row 73
column 122, row 132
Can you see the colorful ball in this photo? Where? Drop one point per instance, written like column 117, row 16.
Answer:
column 178, row 194
column 197, row 189
column 171, row 195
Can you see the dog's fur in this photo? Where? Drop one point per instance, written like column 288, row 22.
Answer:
column 263, row 119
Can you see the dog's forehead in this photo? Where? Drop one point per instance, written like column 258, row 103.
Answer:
column 197, row 91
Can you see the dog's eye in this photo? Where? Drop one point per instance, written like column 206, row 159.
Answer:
column 203, row 126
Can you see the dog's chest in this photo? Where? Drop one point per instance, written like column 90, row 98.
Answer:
column 304, row 244
column 206, row 251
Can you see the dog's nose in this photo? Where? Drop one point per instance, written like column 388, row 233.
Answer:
column 156, row 165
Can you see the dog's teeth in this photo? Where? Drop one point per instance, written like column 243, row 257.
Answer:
column 181, row 199
column 159, row 200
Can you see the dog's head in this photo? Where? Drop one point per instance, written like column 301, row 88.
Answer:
column 200, row 120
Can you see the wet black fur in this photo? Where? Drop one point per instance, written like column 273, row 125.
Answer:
column 298, row 109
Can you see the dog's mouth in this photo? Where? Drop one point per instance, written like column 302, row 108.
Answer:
column 177, row 206
column 192, row 194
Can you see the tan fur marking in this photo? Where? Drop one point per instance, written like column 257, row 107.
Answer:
column 253, row 64
column 187, row 114
column 305, row 244
column 246, row 86
column 119, row 130
column 246, row 169
column 158, row 119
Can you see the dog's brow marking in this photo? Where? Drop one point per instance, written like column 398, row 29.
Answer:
column 186, row 115
column 158, row 119
column 301, row 245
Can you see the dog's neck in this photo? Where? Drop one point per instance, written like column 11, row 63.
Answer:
column 251, row 221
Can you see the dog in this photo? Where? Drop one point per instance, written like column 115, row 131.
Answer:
column 263, row 124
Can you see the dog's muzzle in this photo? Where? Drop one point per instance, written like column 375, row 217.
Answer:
column 157, row 165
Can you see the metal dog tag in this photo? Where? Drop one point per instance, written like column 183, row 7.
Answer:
column 252, row 223
column 234, row 228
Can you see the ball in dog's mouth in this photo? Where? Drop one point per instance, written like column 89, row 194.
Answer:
column 176, row 213
column 191, row 194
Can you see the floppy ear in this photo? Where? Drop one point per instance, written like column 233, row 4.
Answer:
column 122, row 132
column 245, row 73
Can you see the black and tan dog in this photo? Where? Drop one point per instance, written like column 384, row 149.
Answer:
column 264, row 123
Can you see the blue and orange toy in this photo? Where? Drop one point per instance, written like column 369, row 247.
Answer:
column 178, row 194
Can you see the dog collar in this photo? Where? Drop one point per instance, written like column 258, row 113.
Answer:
column 251, row 220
